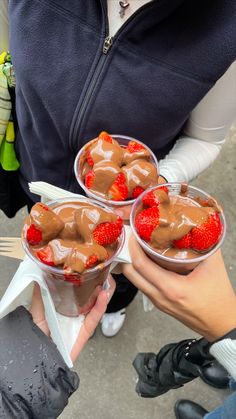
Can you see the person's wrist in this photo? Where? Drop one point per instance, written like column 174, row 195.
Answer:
column 220, row 332
column 229, row 335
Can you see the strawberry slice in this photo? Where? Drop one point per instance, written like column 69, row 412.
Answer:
column 150, row 199
column 45, row 207
column 133, row 147
column 33, row 235
column 107, row 233
column 184, row 243
column 137, row 191
column 105, row 136
column 92, row 260
column 164, row 188
column 89, row 178
column 46, row 256
column 146, row 221
column 73, row 278
column 202, row 237
column 90, row 159
column 118, row 190
column 207, row 234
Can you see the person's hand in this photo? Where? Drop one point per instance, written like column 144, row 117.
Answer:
column 123, row 211
column 161, row 180
column 203, row 300
column 90, row 323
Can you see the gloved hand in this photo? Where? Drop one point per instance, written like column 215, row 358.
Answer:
column 175, row 365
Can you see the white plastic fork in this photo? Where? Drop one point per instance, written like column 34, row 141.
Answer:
column 11, row 247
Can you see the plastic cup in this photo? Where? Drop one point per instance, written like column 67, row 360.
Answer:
column 179, row 265
column 76, row 293
column 79, row 161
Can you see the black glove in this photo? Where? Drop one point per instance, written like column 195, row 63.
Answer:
column 175, row 365
column 35, row 382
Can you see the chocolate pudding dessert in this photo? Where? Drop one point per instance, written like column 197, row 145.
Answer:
column 74, row 243
column 116, row 170
column 180, row 226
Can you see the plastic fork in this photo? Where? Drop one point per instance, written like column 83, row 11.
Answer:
column 11, row 247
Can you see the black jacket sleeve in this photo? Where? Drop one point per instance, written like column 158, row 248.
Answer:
column 35, row 382
column 175, row 365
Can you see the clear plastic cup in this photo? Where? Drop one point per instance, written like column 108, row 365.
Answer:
column 76, row 293
column 79, row 161
column 179, row 265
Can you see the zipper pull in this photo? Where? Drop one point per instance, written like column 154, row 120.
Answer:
column 107, row 44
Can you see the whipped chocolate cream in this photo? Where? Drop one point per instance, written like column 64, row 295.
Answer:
column 110, row 159
column 49, row 223
column 178, row 215
column 87, row 218
column 141, row 154
column 67, row 234
column 105, row 174
column 177, row 218
column 140, row 173
column 73, row 255
column 104, row 151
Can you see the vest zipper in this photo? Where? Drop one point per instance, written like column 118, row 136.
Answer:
column 107, row 44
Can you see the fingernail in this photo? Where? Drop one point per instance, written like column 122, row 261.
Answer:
column 120, row 213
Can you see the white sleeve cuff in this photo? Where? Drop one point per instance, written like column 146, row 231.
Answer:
column 225, row 352
column 188, row 158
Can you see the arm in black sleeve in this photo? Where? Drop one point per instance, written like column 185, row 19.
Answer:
column 175, row 365
column 35, row 382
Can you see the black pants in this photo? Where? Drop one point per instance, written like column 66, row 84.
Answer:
column 123, row 295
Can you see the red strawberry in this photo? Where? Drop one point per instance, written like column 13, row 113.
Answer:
column 202, row 237
column 146, row 221
column 207, row 234
column 46, row 256
column 107, row 233
column 164, row 188
column 184, row 243
column 105, row 136
column 73, row 278
column 118, row 190
column 89, row 178
column 150, row 199
column 91, row 261
column 90, row 159
column 45, row 207
column 133, row 147
column 33, row 235
column 137, row 191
